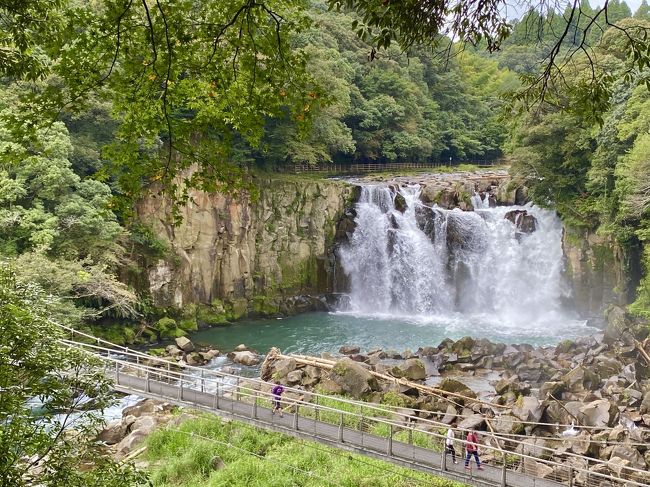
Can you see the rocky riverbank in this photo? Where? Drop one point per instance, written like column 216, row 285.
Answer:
column 600, row 384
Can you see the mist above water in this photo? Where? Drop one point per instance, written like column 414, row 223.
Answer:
column 432, row 265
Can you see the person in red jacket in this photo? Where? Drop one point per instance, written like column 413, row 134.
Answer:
column 471, row 447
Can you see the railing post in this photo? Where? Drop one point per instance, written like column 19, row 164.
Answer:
column 316, row 409
column 255, row 405
column 411, row 435
column 216, row 397
column 341, row 429
column 570, row 476
column 202, row 380
column 147, row 385
column 390, row 440
column 117, row 373
column 180, row 389
column 504, row 472
column 295, row 418
column 237, row 390
column 443, row 461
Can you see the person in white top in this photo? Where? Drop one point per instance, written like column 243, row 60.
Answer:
column 449, row 445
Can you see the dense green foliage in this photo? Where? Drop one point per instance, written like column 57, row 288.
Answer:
column 399, row 107
column 595, row 174
column 47, row 431
column 184, row 456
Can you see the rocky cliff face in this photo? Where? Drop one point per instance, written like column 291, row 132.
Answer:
column 600, row 270
column 242, row 255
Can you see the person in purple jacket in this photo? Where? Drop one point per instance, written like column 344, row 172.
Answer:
column 277, row 398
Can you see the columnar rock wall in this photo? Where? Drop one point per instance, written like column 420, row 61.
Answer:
column 240, row 254
column 600, row 270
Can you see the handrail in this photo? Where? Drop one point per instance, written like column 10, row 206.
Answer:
column 184, row 377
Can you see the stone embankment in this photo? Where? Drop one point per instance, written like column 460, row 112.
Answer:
column 600, row 384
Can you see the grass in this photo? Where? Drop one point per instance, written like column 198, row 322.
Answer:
column 182, row 456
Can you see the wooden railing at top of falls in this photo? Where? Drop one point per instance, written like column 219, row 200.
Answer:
column 358, row 168
column 521, row 465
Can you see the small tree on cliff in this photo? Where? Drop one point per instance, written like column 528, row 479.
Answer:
column 47, row 433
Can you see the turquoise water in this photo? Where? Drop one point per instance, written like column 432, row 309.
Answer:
column 312, row 333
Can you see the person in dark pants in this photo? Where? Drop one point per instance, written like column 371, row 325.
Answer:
column 472, row 449
column 449, row 445
column 277, row 398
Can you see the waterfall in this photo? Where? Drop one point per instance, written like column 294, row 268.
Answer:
column 428, row 263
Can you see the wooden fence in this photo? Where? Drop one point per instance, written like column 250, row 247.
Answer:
column 391, row 166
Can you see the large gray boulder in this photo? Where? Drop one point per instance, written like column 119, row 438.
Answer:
column 600, row 413
column 245, row 358
column 528, row 409
column 411, row 369
column 353, row 378
column 475, row 421
column 185, row 344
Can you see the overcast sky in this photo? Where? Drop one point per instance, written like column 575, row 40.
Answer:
column 515, row 12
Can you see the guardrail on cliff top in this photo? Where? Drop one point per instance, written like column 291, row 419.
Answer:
column 390, row 166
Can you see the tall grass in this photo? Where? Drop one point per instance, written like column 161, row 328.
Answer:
column 182, row 456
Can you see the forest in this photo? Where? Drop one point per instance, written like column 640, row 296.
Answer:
column 92, row 119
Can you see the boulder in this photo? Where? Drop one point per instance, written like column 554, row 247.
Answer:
column 129, row 443
column 146, row 406
column 349, row 349
column 600, row 413
column 645, row 403
column 240, row 348
column 283, row 367
column 536, row 447
column 194, row 359
column 245, row 358
column 506, row 424
column 457, row 387
column 185, row 344
column 630, row 454
column 475, row 421
column 173, row 350
column 579, row 379
column 114, row 432
column 353, row 378
column 217, row 463
column 525, row 222
column 528, row 409
column 412, row 369
column 294, row 376
column 536, row 469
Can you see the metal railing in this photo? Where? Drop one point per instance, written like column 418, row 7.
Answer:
column 370, row 422
column 389, row 166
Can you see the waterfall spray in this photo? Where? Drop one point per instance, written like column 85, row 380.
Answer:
column 426, row 262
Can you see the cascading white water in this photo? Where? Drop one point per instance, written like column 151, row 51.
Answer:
column 432, row 264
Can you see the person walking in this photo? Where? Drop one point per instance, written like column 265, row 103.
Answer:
column 277, row 391
column 449, row 445
column 471, row 446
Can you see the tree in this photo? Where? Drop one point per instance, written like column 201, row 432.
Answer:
column 485, row 24
column 48, row 424
column 643, row 12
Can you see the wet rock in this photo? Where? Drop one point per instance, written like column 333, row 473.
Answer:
column 400, row 203
column 210, row 354
column 173, row 350
column 245, row 358
column 425, row 220
column 525, row 222
column 194, row 359
column 240, row 348
column 185, row 344
column 349, row 349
